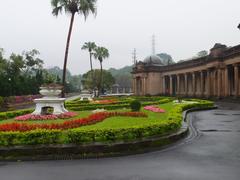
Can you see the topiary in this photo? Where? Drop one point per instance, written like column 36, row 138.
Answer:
column 135, row 105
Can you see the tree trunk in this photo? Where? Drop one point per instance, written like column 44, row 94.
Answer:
column 66, row 55
column 101, row 80
column 93, row 82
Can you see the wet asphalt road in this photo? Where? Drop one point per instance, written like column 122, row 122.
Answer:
column 213, row 153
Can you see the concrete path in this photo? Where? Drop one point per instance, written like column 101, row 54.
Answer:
column 211, row 153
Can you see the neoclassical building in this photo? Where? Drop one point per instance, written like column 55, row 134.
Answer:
column 214, row 75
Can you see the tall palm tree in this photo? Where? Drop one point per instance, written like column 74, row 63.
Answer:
column 101, row 53
column 90, row 46
column 72, row 7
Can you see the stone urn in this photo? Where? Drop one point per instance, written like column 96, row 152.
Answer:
column 50, row 100
column 51, row 90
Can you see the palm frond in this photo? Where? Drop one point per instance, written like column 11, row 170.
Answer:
column 86, row 7
column 101, row 53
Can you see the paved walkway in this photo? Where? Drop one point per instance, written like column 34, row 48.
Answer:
column 213, row 153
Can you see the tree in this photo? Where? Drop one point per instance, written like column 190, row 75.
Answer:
column 88, row 83
column 202, row 53
column 72, row 7
column 90, row 46
column 100, row 54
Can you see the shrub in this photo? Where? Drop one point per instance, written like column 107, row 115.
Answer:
column 1, row 102
column 135, row 105
column 12, row 114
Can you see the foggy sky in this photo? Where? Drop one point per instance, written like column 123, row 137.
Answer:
column 182, row 28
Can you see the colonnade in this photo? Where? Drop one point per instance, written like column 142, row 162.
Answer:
column 214, row 81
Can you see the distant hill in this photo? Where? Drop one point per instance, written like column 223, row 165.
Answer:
column 122, row 76
column 166, row 58
column 73, row 81
column 57, row 71
column 122, row 71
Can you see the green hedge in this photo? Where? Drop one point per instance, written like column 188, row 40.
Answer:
column 78, row 136
column 31, row 137
column 80, row 107
column 12, row 114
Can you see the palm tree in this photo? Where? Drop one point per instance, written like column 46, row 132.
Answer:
column 90, row 46
column 72, row 7
column 101, row 53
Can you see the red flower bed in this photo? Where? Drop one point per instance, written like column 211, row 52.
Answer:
column 105, row 101
column 92, row 119
column 28, row 117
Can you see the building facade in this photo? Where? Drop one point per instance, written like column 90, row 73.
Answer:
column 214, row 75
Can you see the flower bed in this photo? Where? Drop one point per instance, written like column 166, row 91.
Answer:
column 154, row 109
column 67, row 131
column 105, row 101
column 68, row 124
column 28, row 117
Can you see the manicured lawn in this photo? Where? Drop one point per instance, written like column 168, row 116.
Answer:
column 125, row 122
column 113, row 122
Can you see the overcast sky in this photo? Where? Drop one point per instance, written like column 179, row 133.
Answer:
column 182, row 28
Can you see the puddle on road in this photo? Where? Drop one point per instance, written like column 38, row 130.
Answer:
column 222, row 114
column 215, row 130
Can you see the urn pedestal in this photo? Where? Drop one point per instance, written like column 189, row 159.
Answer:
column 50, row 100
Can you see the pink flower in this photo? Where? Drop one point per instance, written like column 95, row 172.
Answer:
column 45, row 117
column 154, row 109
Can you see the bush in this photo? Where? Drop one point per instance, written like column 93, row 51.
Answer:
column 1, row 102
column 12, row 114
column 135, row 105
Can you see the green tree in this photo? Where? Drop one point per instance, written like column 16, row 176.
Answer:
column 90, row 46
column 100, row 54
column 108, row 79
column 72, row 7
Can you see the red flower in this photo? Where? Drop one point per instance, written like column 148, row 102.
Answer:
column 91, row 119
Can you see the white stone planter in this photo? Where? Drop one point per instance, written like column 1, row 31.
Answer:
column 50, row 99
column 50, row 91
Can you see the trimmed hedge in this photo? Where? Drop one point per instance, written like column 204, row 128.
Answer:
column 31, row 137
column 81, row 136
column 81, row 107
column 12, row 114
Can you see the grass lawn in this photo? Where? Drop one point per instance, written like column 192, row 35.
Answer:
column 113, row 122
column 126, row 122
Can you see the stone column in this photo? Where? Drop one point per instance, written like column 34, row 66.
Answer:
column 201, row 84
column 193, row 84
column 185, row 84
column 163, row 85
column 171, row 85
column 236, row 80
column 178, row 84
column 143, row 86
column 226, row 83
column 208, row 85
column 134, row 85
column 219, row 84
